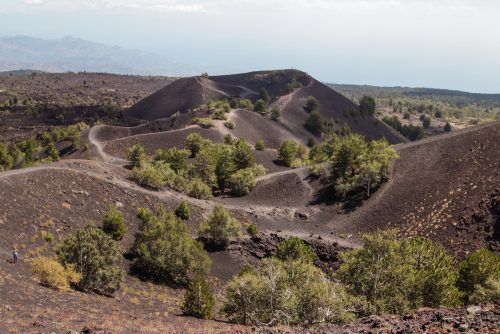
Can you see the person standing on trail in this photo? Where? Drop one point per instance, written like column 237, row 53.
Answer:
column 15, row 255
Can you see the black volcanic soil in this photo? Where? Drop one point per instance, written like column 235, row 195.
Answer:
column 444, row 188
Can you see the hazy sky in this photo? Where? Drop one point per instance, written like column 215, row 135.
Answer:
column 433, row 43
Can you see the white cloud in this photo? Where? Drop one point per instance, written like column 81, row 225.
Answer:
column 34, row 2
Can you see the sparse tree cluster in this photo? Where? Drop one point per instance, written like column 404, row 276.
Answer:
column 217, row 168
column 41, row 149
column 355, row 164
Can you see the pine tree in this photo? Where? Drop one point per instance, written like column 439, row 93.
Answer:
column 198, row 299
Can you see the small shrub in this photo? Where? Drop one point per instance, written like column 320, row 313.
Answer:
column 287, row 151
column 242, row 182
column 114, row 224
column 220, row 228
column 479, row 276
column 148, row 176
column 183, row 211
column 48, row 236
column 195, row 142
column 199, row 189
column 165, row 251
column 295, row 249
column 53, row 274
column 260, row 106
column 136, row 155
column 94, row 255
column 367, row 106
column 311, row 104
column 252, row 229
column 203, row 122
column 275, row 113
column 199, row 301
column 230, row 125
column 260, row 145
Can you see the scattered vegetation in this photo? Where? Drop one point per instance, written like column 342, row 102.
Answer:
column 182, row 211
column 41, row 149
column 311, row 104
column 114, row 224
column 479, row 278
column 220, row 228
column 163, row 249
column 355, row 164
column 216, row 168
column 292, row 154
column 199, row 301
column 53, row 274
column 94, row 255
column 260, row 145
column 412, row 132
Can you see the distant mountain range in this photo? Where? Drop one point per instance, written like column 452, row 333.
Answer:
column 77, row 55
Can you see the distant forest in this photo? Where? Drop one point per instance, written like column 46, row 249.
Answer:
column 452, row 104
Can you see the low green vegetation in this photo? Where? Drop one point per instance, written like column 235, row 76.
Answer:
column 290, row 291
column 354, row 163
column 40, row 149
column 114, row 224
column 199, row 301
column 216, row 168
column 311, row 104
column 94, row 255
column 220, row 228
column 412, row 132
column 182, row 211
column 462, row 107
column 479, row 277
column 164, row 251
column 292, row 154
column 260, row 145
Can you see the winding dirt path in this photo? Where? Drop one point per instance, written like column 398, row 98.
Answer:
column 100, row 148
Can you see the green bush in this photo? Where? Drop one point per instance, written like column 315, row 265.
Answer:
column 94, row 255
column 114, row 224
column 199, row 301
column 149, row 176
column 174, row 157
column 242, row 182
column 230, row 125
column 285, row 292
column 203, row 122
column 367, row 106
column 314, row 123
column 136, row 155
column 260, row 145
column 195, row 142
column 295, row 249
column 182, row 211
column 243, row 155
column 311, row 104
column 220, row 228
column 198, row 189
column 390, row 276
column 53, row 274
column 252, row 229
column 287, row 151
column 479, row 276
column 6, row 160
column 164, row 250
column 260, row 106
column 275, row 113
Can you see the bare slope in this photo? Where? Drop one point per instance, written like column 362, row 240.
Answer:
column 446, row 188
column 288, row 90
